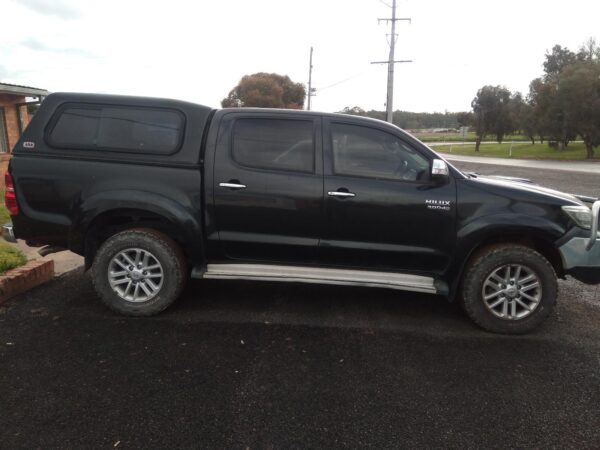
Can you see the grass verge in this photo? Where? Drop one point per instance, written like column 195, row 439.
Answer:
column 10, row 256
column 4, row 216
column 575, row 151
column 457, row 137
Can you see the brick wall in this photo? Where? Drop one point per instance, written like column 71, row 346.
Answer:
column 9, row 103
column 24, row 278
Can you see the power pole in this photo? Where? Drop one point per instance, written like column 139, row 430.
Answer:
column 310, row 89
column 390, row 62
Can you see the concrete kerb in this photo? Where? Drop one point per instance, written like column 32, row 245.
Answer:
column 21, row 279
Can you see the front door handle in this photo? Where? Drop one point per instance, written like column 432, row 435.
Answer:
column 340, row 193
column 233, row 184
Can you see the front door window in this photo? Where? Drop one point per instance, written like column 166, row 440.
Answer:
column 367, row 152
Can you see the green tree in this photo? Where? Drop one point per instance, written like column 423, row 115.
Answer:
column 543, row 103
column 521, row 117
column 548, row 110
column 266, row 90
column 527, row 121
column 553, row 120
column 556, row 60
column 589, row 51
column 554, row 115
column 410, row 120
column 354, row 111
column 533, row 102
column 491, row 110
column 504, row 122
column 465, row 118
column 579, row 94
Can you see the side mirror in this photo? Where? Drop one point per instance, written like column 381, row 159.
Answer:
column 439, row 169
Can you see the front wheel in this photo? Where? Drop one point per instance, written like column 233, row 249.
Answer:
column 139, row 272
column 509, row 289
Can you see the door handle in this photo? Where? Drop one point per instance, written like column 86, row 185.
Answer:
column 341, row 194
column 231, row 185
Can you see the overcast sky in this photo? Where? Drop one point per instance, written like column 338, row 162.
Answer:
column 198, row 50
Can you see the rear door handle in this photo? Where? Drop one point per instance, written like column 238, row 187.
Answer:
column 231, row 185
column 341, row 194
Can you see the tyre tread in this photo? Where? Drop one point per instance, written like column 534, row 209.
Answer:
column 470, row 290
column 174, row 252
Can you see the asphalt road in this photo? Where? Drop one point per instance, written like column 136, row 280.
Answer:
column 259, row 365
column 587, row 167
column 562, row 180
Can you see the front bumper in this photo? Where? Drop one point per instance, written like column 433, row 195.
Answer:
column 581, row 252
column 8, row 233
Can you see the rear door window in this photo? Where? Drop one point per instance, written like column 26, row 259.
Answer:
column 143, row 130
column 277, row 144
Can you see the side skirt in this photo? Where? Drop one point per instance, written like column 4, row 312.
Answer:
column 267, row 272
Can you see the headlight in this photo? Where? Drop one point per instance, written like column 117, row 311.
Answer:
column 581, row 215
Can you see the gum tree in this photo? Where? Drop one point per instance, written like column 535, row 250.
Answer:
column 266, row 90
column 491, row 113
column 579, row 94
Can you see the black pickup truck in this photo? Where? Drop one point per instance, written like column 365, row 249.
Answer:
column 152, row 191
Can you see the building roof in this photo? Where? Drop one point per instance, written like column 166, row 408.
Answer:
column 27, row 91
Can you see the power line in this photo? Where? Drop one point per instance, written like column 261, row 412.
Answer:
column 342, row 81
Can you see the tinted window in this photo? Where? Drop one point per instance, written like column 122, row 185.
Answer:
column 76, row 128
column 280, row 144
column 118, row 128
column 367, row 152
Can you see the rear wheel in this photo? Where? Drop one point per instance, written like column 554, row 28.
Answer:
column 509, row 289
column 139, row 272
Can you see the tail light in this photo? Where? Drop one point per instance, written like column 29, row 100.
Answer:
column 10, row 198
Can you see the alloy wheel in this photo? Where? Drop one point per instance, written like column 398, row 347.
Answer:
column 135, row 275
column 512, row 291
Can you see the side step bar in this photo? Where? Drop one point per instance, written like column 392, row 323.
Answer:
column 266, row 272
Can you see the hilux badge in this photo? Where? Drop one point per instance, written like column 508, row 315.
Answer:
column 444, row 205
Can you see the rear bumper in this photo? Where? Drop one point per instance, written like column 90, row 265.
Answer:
column 8, row 233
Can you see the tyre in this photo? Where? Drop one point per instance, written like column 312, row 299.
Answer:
column 139, row 272
column 509, row 289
